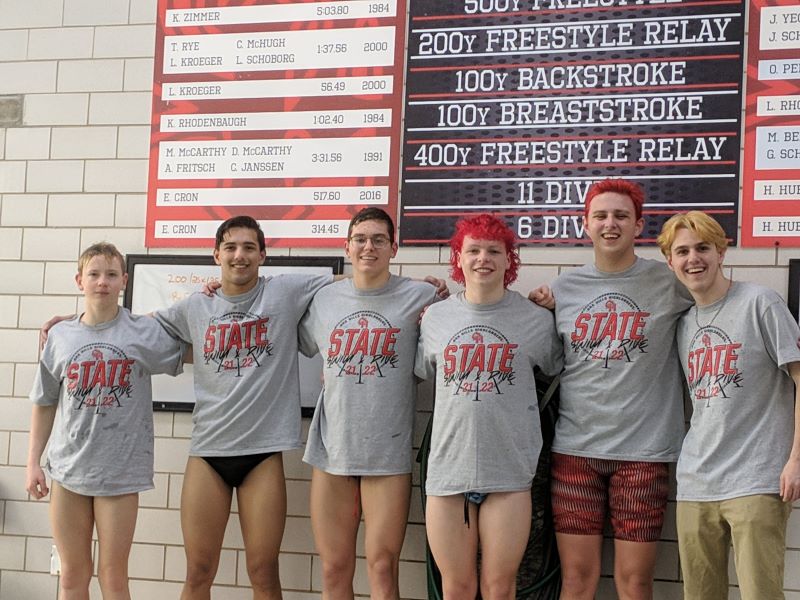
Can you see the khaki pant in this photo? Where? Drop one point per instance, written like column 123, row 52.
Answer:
column 757, row 527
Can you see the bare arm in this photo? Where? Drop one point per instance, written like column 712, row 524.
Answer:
column 790, row 477
column 42, row 419
column 45, row 330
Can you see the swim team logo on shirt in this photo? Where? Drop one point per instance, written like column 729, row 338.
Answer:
column 362, row 345
column 711, row 365
column 610, row 328
column 479, row 360
column 236, row 341
column 99, row 376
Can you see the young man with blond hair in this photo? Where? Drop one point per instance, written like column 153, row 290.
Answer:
column 739, row 467
column 93, row 405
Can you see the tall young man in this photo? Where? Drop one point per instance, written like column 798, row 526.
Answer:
column 739, row 468
column 360, row 439
column 247, row 407
column 621, row 414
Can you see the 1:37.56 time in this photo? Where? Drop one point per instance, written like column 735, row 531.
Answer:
column 332, row 48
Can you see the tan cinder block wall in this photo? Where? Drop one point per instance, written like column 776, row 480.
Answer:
column 73, row 171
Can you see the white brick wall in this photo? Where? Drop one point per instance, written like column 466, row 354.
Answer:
column 75, row 172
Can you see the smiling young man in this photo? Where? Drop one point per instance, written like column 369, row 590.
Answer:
column 247, row 408
column 481, row 347
column 360, row 439
column 621, row 414
column 739, row 468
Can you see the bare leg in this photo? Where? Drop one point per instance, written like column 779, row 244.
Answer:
column 504, row 524
column 454, row 545
column 72, row 518
column 385, row 501
column 335, row 514
column 115, row 517
column 580, row 565
column 634, row 565
column 262, row 515
column 205, row 508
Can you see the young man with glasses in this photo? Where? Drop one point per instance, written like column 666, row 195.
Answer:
column 360, row 439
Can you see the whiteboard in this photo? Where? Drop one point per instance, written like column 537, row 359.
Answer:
column 158, row 281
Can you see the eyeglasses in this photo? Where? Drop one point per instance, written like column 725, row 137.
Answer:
column 378, row 241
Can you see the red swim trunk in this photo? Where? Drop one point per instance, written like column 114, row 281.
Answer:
column 634, row 494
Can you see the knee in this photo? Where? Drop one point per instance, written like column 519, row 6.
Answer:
column 383, row 570
column 338, row 570
column 458, row 589
column 263, row 574
column 498, row 588
column 113, row 580
column 200, row 572
column 74, row 578
column 634, row 585
column 579, row 582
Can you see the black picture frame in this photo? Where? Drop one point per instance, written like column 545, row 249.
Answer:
column 157, row 280
column 794, row 287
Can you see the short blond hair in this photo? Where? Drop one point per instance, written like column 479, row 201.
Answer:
column 704, row 226
column 106, row 249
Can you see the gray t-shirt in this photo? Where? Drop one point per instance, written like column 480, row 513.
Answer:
column 742, row 395
column 364, row 417
column 486, row 428
column 621, row 391
column 102, row 438
column 246, row 381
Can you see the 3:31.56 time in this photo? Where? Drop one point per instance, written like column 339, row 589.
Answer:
column 326, row 157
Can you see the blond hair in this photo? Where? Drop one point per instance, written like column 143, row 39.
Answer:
column 105, row 249
column 699, row 223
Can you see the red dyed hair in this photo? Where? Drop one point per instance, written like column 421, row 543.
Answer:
column 619, row 186
column 484, row 227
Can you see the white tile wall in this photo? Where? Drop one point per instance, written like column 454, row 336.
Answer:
column 21, row 277
column 24, row 143
column 125, row 41
column 138, row 74
column 60, row 43
column 90, row 75
column 12, row 176
column 13, row 44
column 51, row 243
column 81, row 210
column 35, row 13
column 122, row 108
column 74, row 173
column 116, row 175
column 23, row 209
column 28, row 77
column 54, row 176
column 56, row 109
column 95, row 12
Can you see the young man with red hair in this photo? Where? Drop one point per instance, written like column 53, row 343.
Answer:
column 481, row 347
column 621, row 414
